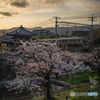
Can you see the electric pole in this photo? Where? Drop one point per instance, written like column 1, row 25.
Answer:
column 56, row 29
column 92, row 29
column 92, row 19
column 56, row 25
column 3, row 34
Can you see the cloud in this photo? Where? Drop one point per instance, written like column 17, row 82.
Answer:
column 94, row 6
column 80, row 6
column 19, row 3
column 48, row 10
column 8, row 14
column 53, row 2
column 1, row 17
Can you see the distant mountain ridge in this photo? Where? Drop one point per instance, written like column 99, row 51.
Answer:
column 61, row 30
column 4, row 31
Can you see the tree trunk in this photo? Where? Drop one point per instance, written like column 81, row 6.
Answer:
column 99, row 79
column 48, row 87
column 98, row 69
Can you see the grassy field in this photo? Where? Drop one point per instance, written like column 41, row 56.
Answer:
column 77, row 78
column 62, row 94
column 80, row 77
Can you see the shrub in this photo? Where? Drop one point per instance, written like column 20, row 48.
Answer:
column 83, row 98
column 96, row 77
column 76, row 90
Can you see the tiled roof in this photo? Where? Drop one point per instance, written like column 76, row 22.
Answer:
column 20, row 31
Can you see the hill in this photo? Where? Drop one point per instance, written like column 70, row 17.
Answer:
column 61, row 30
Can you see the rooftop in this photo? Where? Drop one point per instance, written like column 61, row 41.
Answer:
column 21, row 31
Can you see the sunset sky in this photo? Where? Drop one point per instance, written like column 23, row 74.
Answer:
column 14, row 13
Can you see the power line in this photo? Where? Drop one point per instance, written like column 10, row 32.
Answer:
column 40, row 24
column 80, row 17
column 45, row 24
column 70, row 23
column 64, row 18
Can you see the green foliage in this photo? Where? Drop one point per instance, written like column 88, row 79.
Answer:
column 86, row 89
column 81, row 72
column 76, row 90
column 63, row 36
column 83, row 98
column 61, row 95
column 42, row 37
column 79, row 34
column 48, row 36
column 45, row 98
column 96, row 77
column 79, row 77
column 51, row 36
column 97, row 36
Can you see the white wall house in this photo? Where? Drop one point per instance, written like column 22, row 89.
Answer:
column 41, row 32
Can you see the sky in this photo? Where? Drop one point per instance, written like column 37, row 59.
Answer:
column 28, row 13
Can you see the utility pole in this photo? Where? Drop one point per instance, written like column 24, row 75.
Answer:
column 92, row 29
column 92, row 19
column 56, row 29
column 3, row 34
column 56, row 25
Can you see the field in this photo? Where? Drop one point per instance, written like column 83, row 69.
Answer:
column 78, row 78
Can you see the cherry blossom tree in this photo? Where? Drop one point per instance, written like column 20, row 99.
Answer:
column 36, row 62
column 96, row 53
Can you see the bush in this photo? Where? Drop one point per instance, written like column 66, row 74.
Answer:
column 96, row 77
column 83, row 98
column 76, row 90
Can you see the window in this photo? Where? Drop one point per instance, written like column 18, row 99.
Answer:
column 79, row 39
column 75, row 40
column 71, row 40
column 62, row 40
column 65, row 40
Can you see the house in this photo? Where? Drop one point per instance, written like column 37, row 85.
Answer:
column 41, row 32
column 20, row 33
column 12, row 40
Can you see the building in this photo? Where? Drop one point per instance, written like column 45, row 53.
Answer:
column 41, row 32
column 12, row 39
column 71, row 43
column 80, row 33
column 20, row 33
column 69, row 40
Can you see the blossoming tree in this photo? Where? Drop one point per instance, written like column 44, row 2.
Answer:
column 34, row 61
